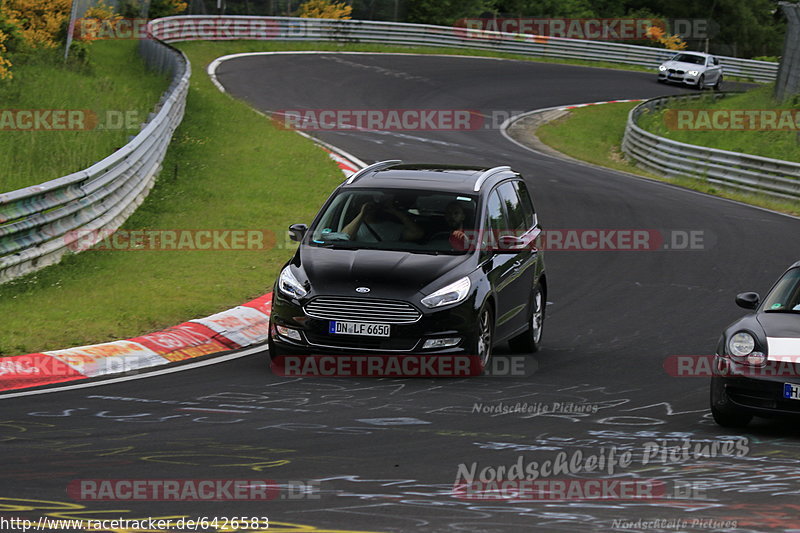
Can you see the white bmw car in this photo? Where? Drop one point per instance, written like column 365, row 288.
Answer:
column 692, row 68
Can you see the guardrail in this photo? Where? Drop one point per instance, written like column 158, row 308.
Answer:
column 39, row 224
column 771, row 177
column 201, row 27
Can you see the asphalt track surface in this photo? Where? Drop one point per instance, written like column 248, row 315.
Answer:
column 384, row 453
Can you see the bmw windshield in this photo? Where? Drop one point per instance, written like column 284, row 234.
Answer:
column 397, row 219
column 690, row 58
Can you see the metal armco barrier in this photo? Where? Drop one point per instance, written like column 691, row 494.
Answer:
column 202, row 27
column 39, row 224
column 772, row 177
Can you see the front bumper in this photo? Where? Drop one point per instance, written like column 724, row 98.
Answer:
column 737, row 390
column 683, row 79
column 315, row 338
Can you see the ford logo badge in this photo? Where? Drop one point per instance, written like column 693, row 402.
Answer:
column 362, row 290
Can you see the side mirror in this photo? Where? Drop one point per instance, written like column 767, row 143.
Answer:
column 297, row 232
column 511, row 242
column 748, row 300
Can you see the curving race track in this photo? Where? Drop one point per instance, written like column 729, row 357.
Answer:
column 384, row 453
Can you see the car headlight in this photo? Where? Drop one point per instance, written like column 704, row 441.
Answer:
column 289, row 285
column 742, row 344
column 694, row 72
column 742, row 347
column 452, row 294
column 662, row 68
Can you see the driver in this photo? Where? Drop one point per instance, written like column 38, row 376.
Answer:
column 382, row 222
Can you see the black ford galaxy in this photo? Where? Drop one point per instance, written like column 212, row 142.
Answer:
column 415, row 259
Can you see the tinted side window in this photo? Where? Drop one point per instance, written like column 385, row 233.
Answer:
column 495, row 221
column 525, row 202
column 516, row 213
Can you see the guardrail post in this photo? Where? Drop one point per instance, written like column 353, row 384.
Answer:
column 788, row 83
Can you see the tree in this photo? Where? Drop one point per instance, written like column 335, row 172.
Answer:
column 157, row 9
column 324, row 9
column 4, row 63
column 40, row 22
column 446, row 12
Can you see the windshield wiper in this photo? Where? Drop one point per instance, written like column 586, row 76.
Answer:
column 790, row 311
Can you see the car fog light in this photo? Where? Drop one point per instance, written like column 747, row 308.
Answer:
column 756, row 358
column 289, row 333
column 445, row 342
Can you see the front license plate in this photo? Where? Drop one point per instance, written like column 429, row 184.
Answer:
column 791, row 391
column 366, row 329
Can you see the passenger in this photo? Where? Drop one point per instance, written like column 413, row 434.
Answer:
column 455, row 216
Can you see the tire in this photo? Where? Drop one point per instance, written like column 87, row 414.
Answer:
column 723, row 416
column 530, row 341
column 274, row 351
column 483, row 341
column 701, row 82
column 718, row 85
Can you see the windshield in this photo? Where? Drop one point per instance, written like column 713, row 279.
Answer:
column 690, row 58
column 404, row 220
column 786, row 294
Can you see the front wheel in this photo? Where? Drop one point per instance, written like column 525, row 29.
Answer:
column 485, row 336
column 721, row 410
column 530, row 341
column 701, row 82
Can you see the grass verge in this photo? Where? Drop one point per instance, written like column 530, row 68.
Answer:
column 120, row 98
column 227, row 168
column 774, row 144
column 594, row 134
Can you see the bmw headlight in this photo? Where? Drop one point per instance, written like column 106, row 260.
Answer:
column 662, row 68
column 694, row 72
column 452, row 294
column 742, row 344
column 289, row 285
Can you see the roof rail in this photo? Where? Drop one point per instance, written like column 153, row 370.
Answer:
column 380, row 165
column 487, row 174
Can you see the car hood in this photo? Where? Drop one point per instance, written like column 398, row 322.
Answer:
column 780, row 324
column 388, row 274
column 783, row 333
column 683, row 66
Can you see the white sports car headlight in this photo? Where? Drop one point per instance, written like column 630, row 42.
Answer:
column 452, row 294
column 742, row 344
column 662, row 68
column 694, row 72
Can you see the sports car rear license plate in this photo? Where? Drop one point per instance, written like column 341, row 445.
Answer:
column 791, row 391
column 366, row 329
